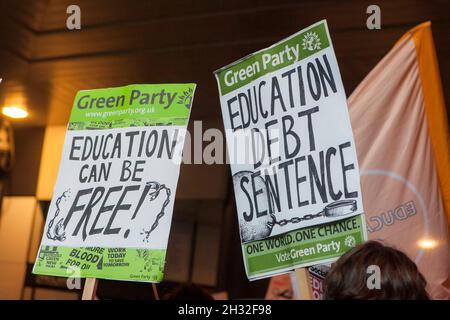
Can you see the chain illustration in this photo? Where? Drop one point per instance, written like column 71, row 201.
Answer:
column 337, row 208
column 60, row 235
column 257, row 229
column 153, row 195
column 284, row 222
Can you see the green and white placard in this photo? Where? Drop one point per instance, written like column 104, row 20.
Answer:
column 112, row 204
column 292, row 154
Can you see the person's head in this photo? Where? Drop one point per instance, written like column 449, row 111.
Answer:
column 399, row 276
column 188, row 292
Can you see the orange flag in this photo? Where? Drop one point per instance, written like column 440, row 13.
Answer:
column 401, row 133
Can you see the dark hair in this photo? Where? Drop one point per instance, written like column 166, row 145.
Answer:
column 400, row 278
column 188, row 292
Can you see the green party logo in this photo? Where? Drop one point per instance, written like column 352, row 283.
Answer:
column 186, row 98
column 311, row 41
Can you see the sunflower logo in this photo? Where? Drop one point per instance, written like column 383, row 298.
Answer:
column 311, row 41
column 350, row 241
column 186, row 98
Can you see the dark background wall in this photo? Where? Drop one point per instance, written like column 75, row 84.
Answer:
column 22, row 181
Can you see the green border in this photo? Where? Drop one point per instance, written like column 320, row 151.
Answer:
column 260, row 263
column 104, row 263
column 132, row 106
column 320, row 29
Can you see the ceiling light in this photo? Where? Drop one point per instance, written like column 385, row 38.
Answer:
column 15, row 112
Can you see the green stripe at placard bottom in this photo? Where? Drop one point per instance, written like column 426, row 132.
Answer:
column 303, row 247
column 105, row 263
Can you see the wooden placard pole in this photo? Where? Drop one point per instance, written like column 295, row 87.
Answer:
column 155, row 291
column 90, row 289
column 303, row 284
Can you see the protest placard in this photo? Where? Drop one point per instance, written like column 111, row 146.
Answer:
column 112, row 204
column 292, row 154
